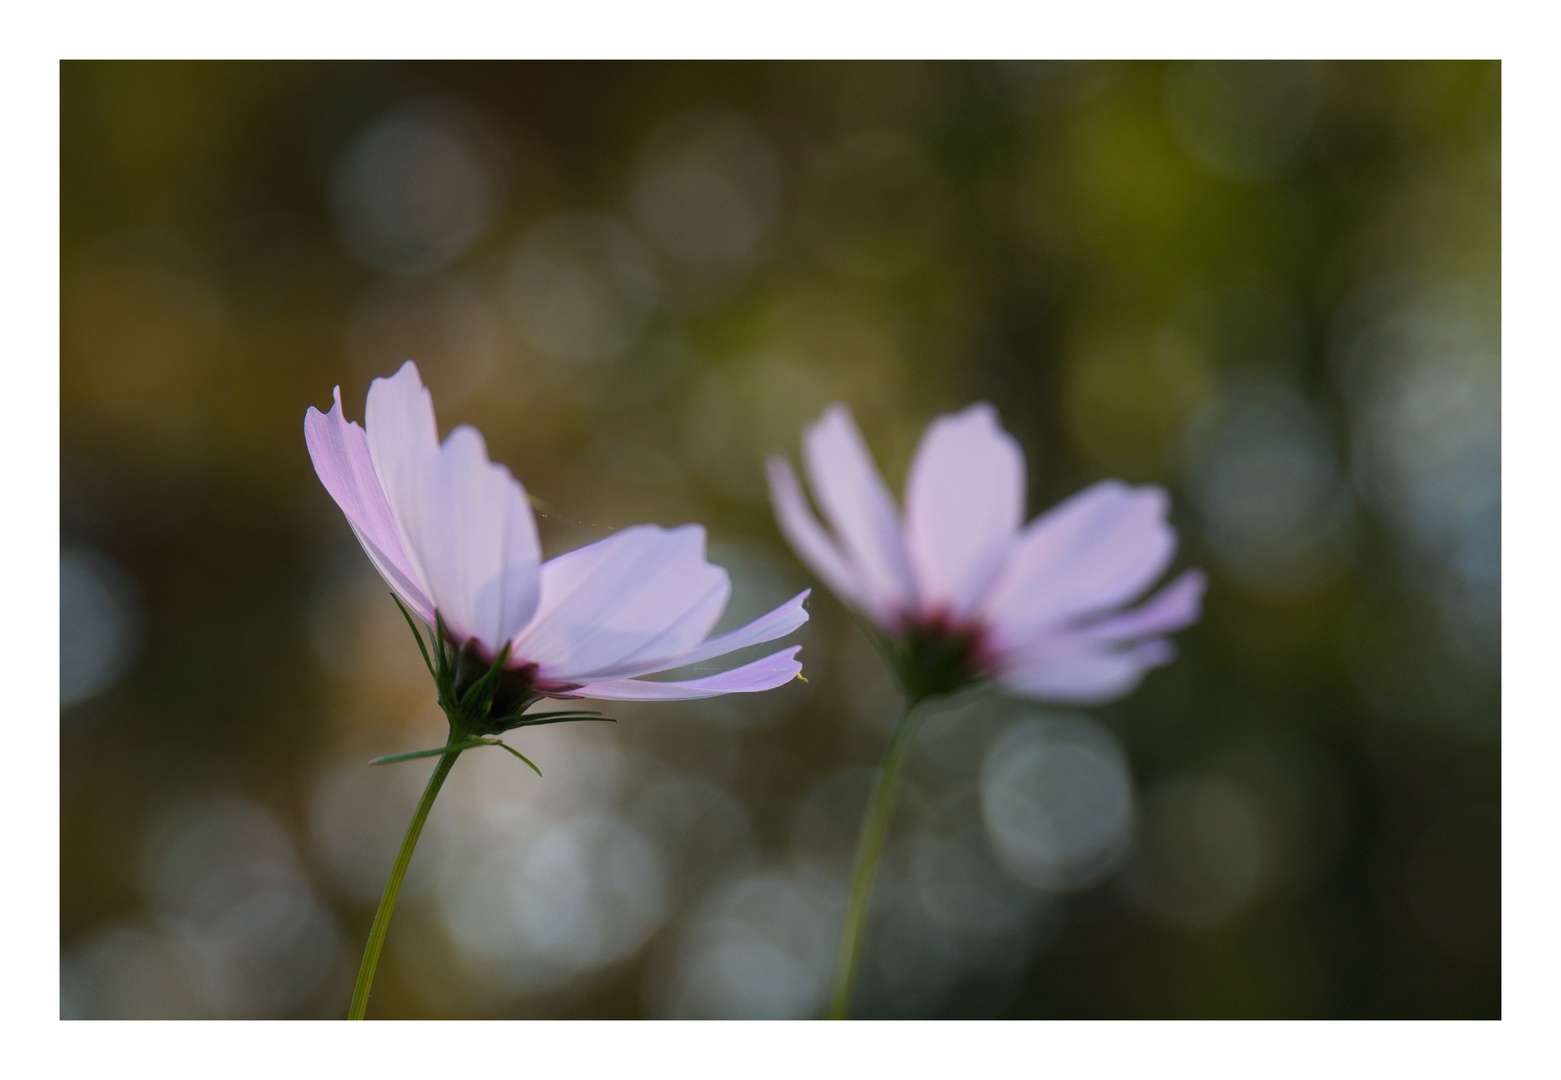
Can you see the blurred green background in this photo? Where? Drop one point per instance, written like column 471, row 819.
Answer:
column 1272, row 287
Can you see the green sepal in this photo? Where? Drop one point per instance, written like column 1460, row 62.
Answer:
column 442, row 675
column 509, row 723
column 925, row 664
column 479, row 695
column 432, row 752
column 457, row 747
column 517, row 753
column 407, row 615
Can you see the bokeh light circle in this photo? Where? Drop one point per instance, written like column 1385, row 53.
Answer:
column 1057, row 800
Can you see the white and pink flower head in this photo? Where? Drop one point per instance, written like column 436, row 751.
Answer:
column 453, row 535
column 962, row 589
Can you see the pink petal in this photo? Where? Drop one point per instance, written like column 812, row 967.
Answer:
column 1075, row 674
column 964, row 502
column 564, row 574
column 640, row 592
column 855, row 501
column 1177, row 605
column 341, row 458
column 807, row 538
column 1090, row 553
column 472, row 534
column 399, row 416
column 774, row 670
column 663, row 648
column 778, row 623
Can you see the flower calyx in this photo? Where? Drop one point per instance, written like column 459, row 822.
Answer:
column 930, row 657
column 934, row 659
column 482, row 698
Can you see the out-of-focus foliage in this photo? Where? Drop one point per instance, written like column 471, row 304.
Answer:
column 1272, row 288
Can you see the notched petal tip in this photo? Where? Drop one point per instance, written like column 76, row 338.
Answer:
column 341, row 457
column 407, row 370
column 313, row 417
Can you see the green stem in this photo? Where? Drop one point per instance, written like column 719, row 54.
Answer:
column 387, row 902
column 875, row 829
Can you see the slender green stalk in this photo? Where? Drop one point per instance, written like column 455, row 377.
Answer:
column 387, row 902
column 437, row 751
column 875, row 829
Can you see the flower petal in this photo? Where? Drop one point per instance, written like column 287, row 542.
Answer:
column 964, row 502
column 856, row 502
column 645, row 593
column 399, row 416
column 778, row 623
column 807, row 537
column 1072, row 672
column 341, row 458
column 664, row 647
column 1086, row 555
column 472, row 534
column 774, row 670
column 1174, row 607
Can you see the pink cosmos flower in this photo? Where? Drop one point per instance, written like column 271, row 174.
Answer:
column 453, row 535
column 961, row 590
